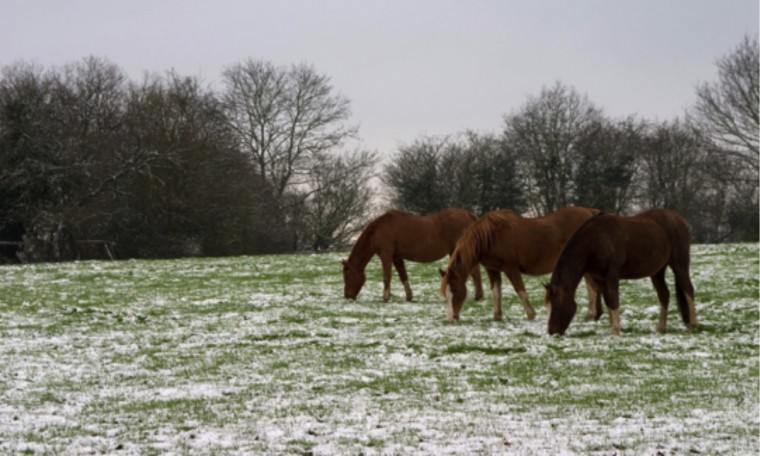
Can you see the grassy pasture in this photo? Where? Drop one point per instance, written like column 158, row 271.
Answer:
column 262, row 355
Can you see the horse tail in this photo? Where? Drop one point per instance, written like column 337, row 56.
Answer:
column 683, row 304
column 680, row 238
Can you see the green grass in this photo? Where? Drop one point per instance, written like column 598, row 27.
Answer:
column 262, row 355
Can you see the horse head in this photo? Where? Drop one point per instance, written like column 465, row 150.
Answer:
column 562, row 305
column 454, row 288
column 353, row 280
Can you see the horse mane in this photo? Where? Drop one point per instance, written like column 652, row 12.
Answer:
column 477, row 239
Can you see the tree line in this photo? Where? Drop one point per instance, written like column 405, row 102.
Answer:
column 93, row 164
column 166, row 167
column 559, row 149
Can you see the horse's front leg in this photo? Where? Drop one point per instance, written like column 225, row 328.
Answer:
column 494, row 276
column 612, row 299
column 401, row 269
column 515, row 278
column 477, row 282
column 386, row 262
column 595, row 310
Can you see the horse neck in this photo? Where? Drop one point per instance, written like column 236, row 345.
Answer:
column 470, row 247
column 569, row 269
column 362, row 251
column 461, row 263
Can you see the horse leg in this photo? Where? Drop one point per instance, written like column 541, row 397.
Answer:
column 663, row 295
column 685, row 296
column 477, row 282
column 401, row 269
column 494, row 276
column 595, row 310
column 386, row 262
column 517, row 283
column 612, row 299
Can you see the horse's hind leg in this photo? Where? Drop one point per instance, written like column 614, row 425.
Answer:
column 387, row 263
column 517, row 283
column 663, row 295
column 401, row 269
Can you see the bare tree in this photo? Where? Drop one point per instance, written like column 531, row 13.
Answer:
column 677, row 172
column 60, row 130
column 413, row 176
column 470, row 170
column 609, row 154
column 728, row 115
column 727, row 111
column 340, row 201
column 544, row 135
column 496, row 178
column 284, row 118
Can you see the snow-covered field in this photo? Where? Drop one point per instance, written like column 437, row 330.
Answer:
column 262, row 355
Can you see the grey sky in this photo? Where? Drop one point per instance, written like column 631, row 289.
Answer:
column 409, row 67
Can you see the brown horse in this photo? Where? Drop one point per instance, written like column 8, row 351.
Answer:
column 610, row 248
column 503, row 241
column 397, row 236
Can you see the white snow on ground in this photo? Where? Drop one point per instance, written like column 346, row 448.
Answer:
column 261, row 355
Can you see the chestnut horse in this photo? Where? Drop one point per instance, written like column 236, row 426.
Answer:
column 610, row 248
column 397, row 236
column 503, row 241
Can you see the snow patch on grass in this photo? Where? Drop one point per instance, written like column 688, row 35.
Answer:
column 262, row 355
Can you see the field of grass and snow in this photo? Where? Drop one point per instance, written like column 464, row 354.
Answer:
column 262, row 355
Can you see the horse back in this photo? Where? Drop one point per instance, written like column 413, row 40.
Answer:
column 451, row 223
column 420, row 238
column 537, row 242
column 652, row 240
column 675, row 228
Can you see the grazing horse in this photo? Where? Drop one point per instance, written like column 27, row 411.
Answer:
column 609, row 248
column 503, row 241
column 397, row 236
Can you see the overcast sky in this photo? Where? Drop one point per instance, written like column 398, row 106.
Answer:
column 409, row 67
